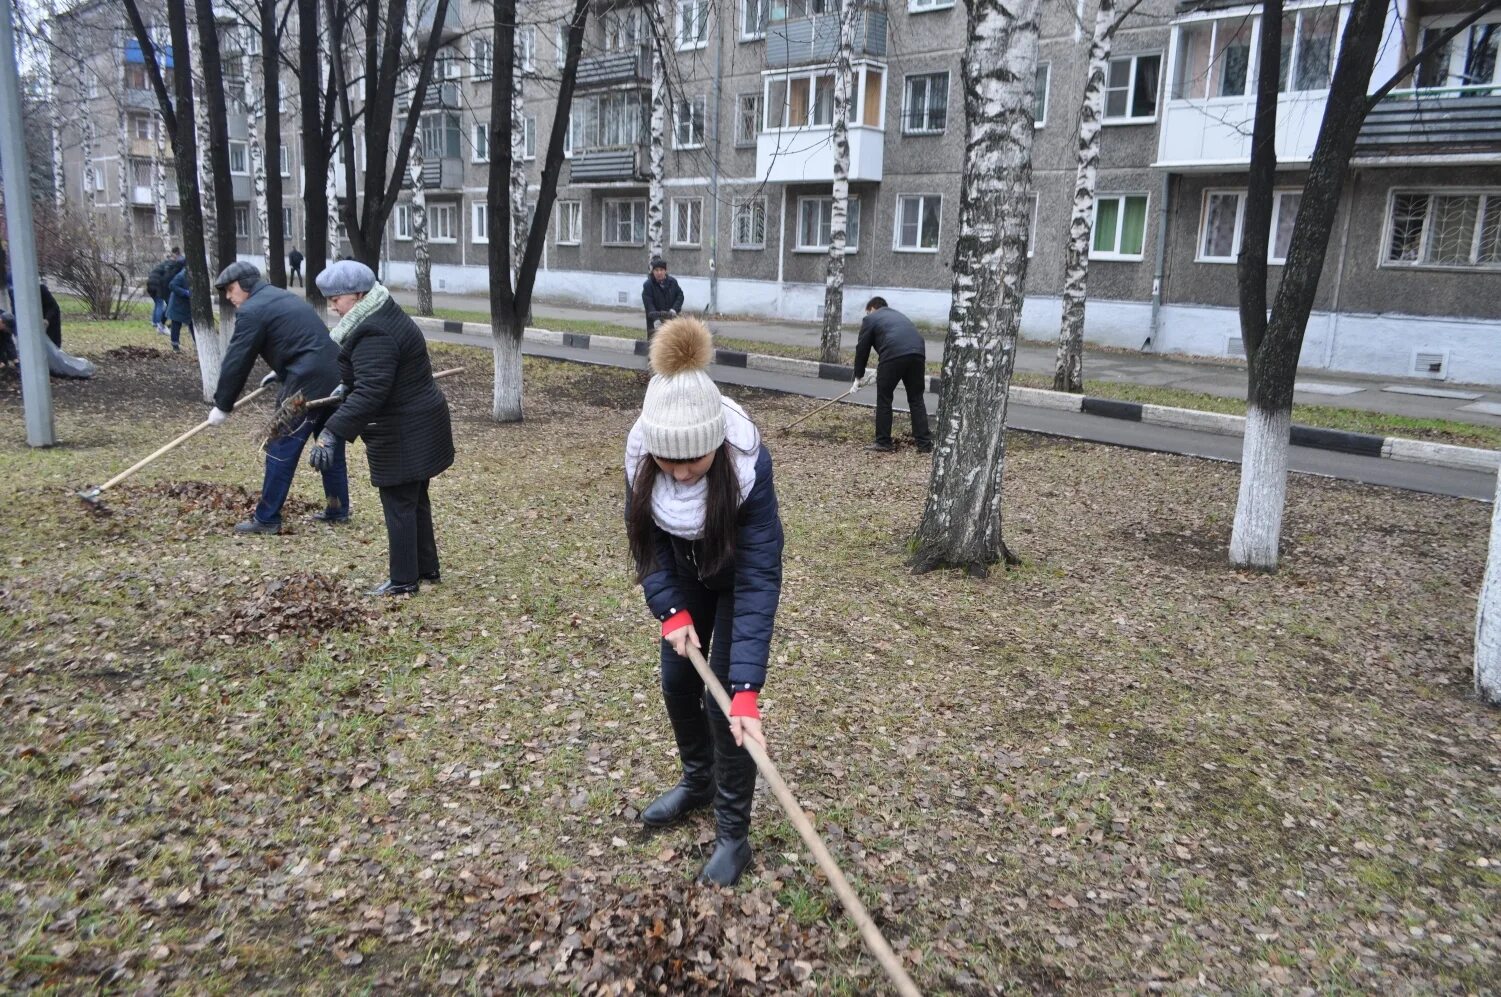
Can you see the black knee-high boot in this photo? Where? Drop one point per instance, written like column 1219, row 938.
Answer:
column 691, row 729
column 735, row 772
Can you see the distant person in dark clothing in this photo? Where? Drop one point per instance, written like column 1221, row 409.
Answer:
column 179, row 305
column 156, row 286
column 660, row 296
column 903, row 360
column 280, row 328
column 294, row 273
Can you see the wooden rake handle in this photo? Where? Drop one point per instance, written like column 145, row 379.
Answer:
column 185, row 437
column 335, row 399
column 874, row 940
column 820, row 408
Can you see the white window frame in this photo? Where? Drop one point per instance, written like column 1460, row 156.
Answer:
column 1128, row 119
column 1490, row 202
column 529, row 137
column 1240, row 221
column 752, row 205
column 1046, row 69
column 1120, row 216
column 286, row 223
column 447, row 211
column 286, row 160
column 698, row 111
column 479, row 221
column 745, row 19
column 685, row 208
column 1032, row 231
column 701, row 27
column 922, row 207
column 849, row 248
column 482, row 57
column 560, row 41
column 907, row 81
column 925, row 6
column 479, row 139
column 570, row 224
column 749, row 141
column 604, row 220
column 244, row 151
column 526, row 47
column 401, row 221
column 242, row 213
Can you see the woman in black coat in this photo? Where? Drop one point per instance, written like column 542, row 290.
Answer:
column 393, row 404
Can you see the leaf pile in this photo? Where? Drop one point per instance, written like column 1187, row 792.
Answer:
column 129, row 353
column 305, row 604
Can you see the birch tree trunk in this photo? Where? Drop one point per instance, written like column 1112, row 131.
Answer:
column 422, row 260
column 1488, row 616
column 656, row 200
column 59, row 189
column 1068, row 370
column 159, row 187
column 518, row 173
column 254, row 108
column 833, row 284
column 961, row 520
column 86, row 138
column 122, row 172
column 206, row 190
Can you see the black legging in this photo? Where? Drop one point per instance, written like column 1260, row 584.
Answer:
column 409, row 531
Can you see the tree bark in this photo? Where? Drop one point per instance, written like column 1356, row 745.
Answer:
column 833, row 284
column 1272, row 357
column 315, row 151
column 210, row 213
column 159, row 187
column 1068, row 369
column 122, row 172
column 218, row 137
column 1488, row 616
column 422, row 259
column 656, row 196
column 276, row 236
column 961, row 520
column 518, row 175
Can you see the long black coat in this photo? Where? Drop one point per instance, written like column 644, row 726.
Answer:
column 659, row 299
column 393, row 403
column 283, row 329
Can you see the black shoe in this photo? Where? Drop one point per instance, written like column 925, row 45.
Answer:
column 690, row 728
column 255, row 526
column 882, row 447
column 391, row 588
column 431, row 577
column 735, row 776
column 925, row 448
column 725, row 866
column 329, row 516
column 176, row 348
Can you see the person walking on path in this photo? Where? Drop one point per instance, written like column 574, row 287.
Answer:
column 706, row 541
column 903, row 360
column 282, row 329
column 393, row 403
column 294, row 269
column 660, row 296
column 179, row 307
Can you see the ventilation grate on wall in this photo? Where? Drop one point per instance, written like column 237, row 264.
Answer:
column 620, row 297
column 1234, row 346
column 1430, row 363
column 819, row 315
column 442, row 284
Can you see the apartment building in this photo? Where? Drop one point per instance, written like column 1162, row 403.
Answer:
column 1412, row 284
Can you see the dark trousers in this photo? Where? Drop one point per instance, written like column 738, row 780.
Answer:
column 282, row 455
column 176, row 328
column 409, row 531
column 912, row 372
column 295, row 277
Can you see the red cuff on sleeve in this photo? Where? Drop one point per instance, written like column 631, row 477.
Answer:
column 676, row 621
column 744, row 704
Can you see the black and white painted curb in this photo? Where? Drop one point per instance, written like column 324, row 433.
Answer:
column 1343, row 441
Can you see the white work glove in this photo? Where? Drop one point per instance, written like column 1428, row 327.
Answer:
column 869, row 378
column 855, row 386
column 268, row 379
column 217, row 417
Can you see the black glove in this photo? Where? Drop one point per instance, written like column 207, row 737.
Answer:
column 268, row 379
column 321, row 457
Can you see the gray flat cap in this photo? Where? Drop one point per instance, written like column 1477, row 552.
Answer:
column 345, row 277
column 239, row 271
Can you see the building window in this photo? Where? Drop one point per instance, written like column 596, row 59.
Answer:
column 1040, row 94
column 687, row 221
column 753, row 17
column 926, row 107
column 1224, row 216
column 688, row 123
column 141, row 126
column 1120, row 227
column 1214, row 58
column 570, row 223
column 560, row 42
column 624, row 222
column 285, row 155
column 239, row 158
column 1308, row 41
column 748, row 119
column 481, row 142
column 242, row 223
column 1131, row 88
column 442, row 223
column 1468, row 59
column 446, row 64
column 1444, row 228
column 479, row 222
column 440, row 135
column 286, row 223
column 1032, row 229
column 529, row 137
column 607, row 121
column 693, row 24
column 814, row 216
column 917, row 219
column 403, row 222
column 749, row 228
column 625, row 29
column 526, row 48
column 1285, row 204
column 482, row 55
column 918, row 6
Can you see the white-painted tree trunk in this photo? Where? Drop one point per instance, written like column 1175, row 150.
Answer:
column 1488, row 616
column 421, row 254
column 224, row 322
column 506, row 402
column 122, row 173
column 159, row 187
column 1257, row 532
column 656, row 195
column 1068, row 370
column 254, row 107
column 833, row 288
column 518, row 172
column 961, row 519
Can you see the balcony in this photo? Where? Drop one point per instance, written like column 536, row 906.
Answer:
column 1217, row 132
column 1434, row 121
column 614, row 68
column 814, row 40
column 806, row 155
column 141, row 195
column 440, row 173
column 624, row 164
column 141, row 100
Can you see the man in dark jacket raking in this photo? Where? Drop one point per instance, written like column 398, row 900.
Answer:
column 282, row 329
column 903, row 360
column 660, row 296
column 156, row 286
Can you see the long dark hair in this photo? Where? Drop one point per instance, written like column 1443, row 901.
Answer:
column 721, row 515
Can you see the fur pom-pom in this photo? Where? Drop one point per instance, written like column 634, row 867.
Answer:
column 681, row 344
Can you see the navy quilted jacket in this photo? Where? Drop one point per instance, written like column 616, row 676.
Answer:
column 756, row 578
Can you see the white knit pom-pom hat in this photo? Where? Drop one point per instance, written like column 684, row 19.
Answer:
column 682, row 417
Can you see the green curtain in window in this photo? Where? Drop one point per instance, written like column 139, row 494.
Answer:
column 1134, row 226
column 1106, row 218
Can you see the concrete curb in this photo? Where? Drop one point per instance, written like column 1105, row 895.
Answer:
column 1342, row 441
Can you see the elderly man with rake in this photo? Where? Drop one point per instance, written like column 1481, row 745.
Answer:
column 281, row 328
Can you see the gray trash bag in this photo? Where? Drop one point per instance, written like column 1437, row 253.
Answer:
column 66, row 365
